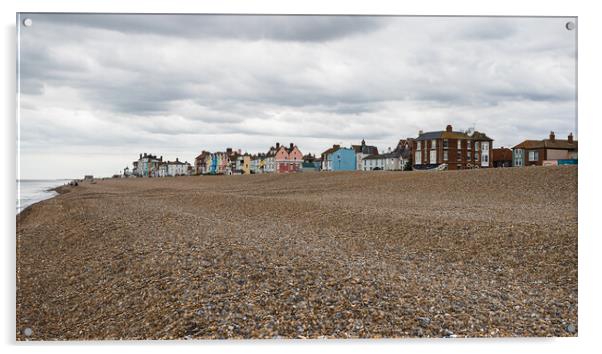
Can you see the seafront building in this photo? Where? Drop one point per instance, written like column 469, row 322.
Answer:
column 373, row 163
column 457, row 150
column 446, row 149
column 343, row 159
column 147, row 165
column 362, row 151
column 549, row 151
column 288, row 160
column 327, row 157
column 501, row 157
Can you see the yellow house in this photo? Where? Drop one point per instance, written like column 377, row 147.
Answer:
column 246, row 164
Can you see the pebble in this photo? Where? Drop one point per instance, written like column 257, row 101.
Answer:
column 571, row 328
column 424, row 321
column 348, row 255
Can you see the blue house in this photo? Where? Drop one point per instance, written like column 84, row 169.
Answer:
column 343, row 159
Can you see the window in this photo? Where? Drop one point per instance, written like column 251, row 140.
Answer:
column 458, row 166
column 433, row 156
column 476, row 146
column 459, row 144
column 445, row 155
column 533, row 155
column 485, row 158
column 468, row 155
column 418, row 145
column 445, row 143
column 418, row 158
column 485, row 145
column 476, row 156
column 467, row 145
column 433, row 144
column 459, row 155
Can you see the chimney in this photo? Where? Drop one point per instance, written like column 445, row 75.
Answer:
column 552, row 136
column 277, row 146
column 140, row 155
column 448, row 128
column 570, row 138
column 176, row 159
column 420, row 132
column 161, row 158
column 291, row 146
column 229, row 151
column 363, row 142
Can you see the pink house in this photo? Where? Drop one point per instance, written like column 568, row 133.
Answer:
column 288, row 159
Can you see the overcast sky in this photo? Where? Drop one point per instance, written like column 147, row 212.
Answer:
column 97, row 90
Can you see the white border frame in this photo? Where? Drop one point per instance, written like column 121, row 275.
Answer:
column 589, row 240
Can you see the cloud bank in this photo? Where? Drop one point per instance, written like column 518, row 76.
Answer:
column 96, row 90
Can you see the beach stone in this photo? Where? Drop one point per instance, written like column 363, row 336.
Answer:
column 447, row 333
column 424, row 321
column 27, row 332
column 316, row 251
column 571, row 328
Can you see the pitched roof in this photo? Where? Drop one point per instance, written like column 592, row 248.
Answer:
column 547, row 144
column 365, row 149
column 374, row 157
column 331, row 150
column 443, row 134
column 271, row 152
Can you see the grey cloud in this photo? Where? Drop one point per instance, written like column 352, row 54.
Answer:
column 186, row 83
column 247, row 27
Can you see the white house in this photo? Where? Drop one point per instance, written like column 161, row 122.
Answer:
column 327, row 158
column 147, row 165
column 270, row 160
column 177, row 168
column 374, row 162
column 362, row 151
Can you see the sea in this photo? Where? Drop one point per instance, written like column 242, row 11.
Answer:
column 30, row 191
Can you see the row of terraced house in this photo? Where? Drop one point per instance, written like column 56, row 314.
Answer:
column 445, row 149
column 278, row 159
column 149, row 165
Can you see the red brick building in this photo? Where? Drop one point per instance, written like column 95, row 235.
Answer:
column 502, row 157
column 535, row 152
column 459, row 150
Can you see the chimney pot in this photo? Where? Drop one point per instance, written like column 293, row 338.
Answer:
column 448, row 128
column 570, row 138
column 552, row 136
column 291, row 146
column 277, row 146
column 420, row 132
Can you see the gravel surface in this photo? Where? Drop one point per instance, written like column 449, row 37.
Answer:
column 481, row 253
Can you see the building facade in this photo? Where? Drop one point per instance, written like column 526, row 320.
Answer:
column 270, row 159
column 200, row 163
column 458, row 150
column 148, row 165
column 373, row 163
column 288, row 160
column 502, row 157
column 547, row 151
column 362, row 151
column 327, row 157
column 343, row 159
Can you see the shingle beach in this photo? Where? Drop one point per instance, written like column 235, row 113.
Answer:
column 477, row 253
